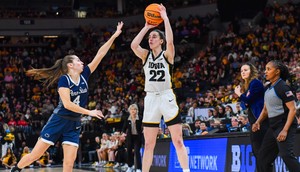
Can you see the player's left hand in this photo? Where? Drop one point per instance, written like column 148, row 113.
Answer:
column 282, row 136
column 119, row 29
column 96, row 113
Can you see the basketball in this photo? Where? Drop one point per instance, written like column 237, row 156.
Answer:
column 152, row 15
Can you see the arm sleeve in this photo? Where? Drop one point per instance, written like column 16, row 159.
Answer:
column 86, row 72
column 255, row 87
column 285, row 93
column 63, row 82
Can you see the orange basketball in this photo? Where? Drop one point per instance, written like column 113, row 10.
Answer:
column 152, row 15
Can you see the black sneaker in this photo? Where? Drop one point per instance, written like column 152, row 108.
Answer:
column 15, row 169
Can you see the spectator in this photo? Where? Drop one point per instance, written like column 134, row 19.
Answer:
column 298, row 106
column 161, row 134
column 197, row 130
column 9, row 159
column 102, row 152
column 44, row 160
column 121, row 152
column 203, row 128
column 234, row 127
column 97, row 147
column 111, row 150
column 239, row 110
column 244, row 123
column 186, row 130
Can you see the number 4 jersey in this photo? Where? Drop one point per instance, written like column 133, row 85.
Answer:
column 157, row 73
column 78, row 93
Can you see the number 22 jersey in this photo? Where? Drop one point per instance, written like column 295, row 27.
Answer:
column 157, row 73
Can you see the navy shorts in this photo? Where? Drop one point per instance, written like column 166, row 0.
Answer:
column 59, row 128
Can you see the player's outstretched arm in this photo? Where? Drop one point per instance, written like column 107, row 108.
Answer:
column 105, row 47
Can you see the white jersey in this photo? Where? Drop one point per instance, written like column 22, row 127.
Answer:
column 157, row 73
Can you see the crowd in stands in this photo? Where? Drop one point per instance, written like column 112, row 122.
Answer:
column 93, row 9
column 204, row 79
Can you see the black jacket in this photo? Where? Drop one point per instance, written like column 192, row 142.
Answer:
column 127, row 127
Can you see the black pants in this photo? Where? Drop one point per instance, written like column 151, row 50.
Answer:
column 121, row 155
column 134, row 143
column 256, row 139
column 271, row 147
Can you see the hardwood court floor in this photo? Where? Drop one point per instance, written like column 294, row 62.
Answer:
column 59, row 169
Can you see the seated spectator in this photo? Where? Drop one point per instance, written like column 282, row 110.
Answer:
column 197, row 130
column 113, row 145
column 234, row 127
column 88, row 150
column 186, row 130
column 229, row 111
column 9, row 159
column 25, row 152
column 97, row 147
column 203, row 129
column 160, row 134
column 239, row 110
column 102, row 152
column 167, row 132
column 244, row 123
column 44, row 160
column 120, row 152
column 191, row 111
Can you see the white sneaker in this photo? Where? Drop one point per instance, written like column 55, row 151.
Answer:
column 138, row 170
column 129, row 169
column 116, row 165
column 95, row 163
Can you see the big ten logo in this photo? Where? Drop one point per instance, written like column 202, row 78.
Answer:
column 176, row 162
column 242, row 158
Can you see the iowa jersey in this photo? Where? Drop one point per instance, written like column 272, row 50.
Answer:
column 78, row 93
column 157, row 73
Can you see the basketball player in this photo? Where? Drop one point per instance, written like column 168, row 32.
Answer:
column 160, row 99
column 65, row 123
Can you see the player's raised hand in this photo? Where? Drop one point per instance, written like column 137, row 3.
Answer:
column 119, row 29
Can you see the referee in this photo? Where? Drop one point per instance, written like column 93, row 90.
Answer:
column 280, row 108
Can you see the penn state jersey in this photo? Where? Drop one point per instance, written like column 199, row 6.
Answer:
column 157, row 73
column 78, row 93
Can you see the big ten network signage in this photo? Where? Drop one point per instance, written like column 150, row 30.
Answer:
column 204, row 155
column 239, row 155
column 241, row 159
column 161, row 156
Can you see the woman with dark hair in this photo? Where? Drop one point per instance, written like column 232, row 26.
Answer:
column 9, row 159
column 64, row 124
column 251, row 95
column 160, row 100
column 280, row 109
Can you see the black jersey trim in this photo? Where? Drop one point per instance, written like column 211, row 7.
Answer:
column 146, row 59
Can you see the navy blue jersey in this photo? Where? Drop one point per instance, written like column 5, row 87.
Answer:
column 78, row 93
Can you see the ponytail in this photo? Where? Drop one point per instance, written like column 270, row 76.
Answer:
column 51, row 75
column 284, row 71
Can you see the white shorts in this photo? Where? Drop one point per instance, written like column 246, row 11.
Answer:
column 158, row 105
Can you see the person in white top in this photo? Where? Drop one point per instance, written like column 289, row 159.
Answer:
column 160, row 100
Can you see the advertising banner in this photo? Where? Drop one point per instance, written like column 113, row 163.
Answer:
column 204, row 155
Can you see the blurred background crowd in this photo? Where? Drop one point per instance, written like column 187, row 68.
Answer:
column 206, row 71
